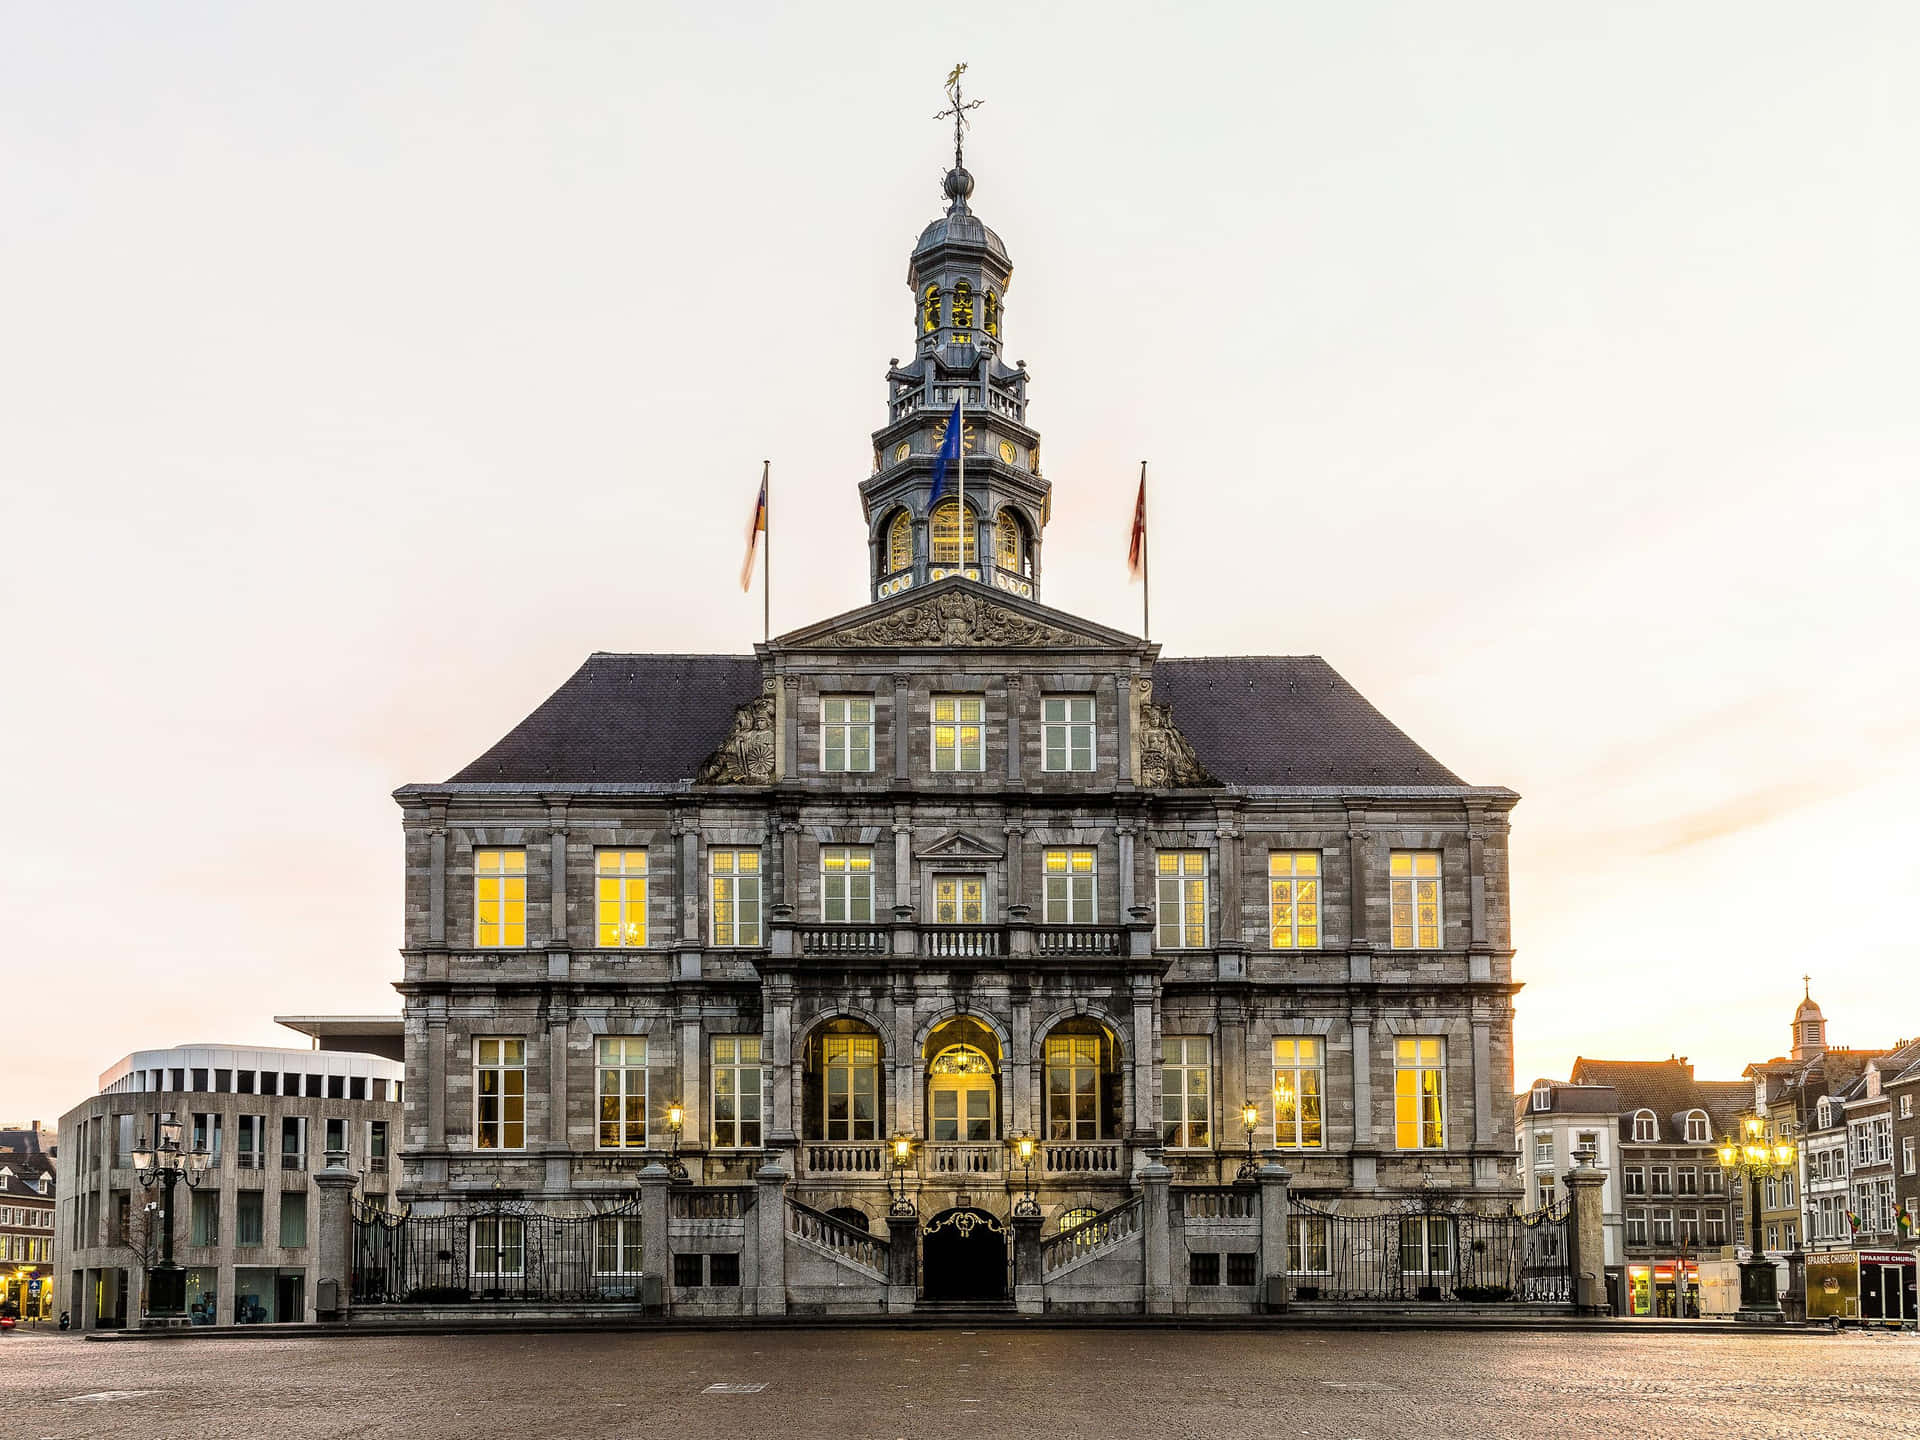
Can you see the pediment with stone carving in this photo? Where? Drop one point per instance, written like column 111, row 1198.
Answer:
column 962, row 617
column 958, row 845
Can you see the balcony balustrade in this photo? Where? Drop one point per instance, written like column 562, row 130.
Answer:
column 853, row 1161
column 945, row 1158
column 962, row 942
column 845, row 940
column 1089, row 1157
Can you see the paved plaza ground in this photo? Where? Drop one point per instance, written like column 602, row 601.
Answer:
column 934, row 1384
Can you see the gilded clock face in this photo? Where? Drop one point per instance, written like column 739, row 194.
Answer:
column 1006, row 451
column 966, row 436
column 901, row 451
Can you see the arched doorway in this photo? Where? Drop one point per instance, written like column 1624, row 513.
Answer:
column 963, row 1257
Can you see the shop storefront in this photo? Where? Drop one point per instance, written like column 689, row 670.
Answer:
column 263, row 1295
column 1871, row 1286
column 1667, row 1290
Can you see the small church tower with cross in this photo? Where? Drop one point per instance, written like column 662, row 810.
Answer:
column 958, row 276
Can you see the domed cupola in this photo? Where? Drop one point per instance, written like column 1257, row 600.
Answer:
column 958, row 276
column 1809, row 1027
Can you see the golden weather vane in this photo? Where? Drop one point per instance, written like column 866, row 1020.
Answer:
column 957, row 109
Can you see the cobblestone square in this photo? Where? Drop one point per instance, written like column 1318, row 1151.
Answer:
column 934, row 1384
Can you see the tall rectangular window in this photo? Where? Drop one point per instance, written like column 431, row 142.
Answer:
column 1070, row 892
column 736, row 1092
column 293, row 1219
column 1293, row 899
column 620, row 898
column 376, row 1145
column 1073, row 1087
column 207, row 1129
column 500, row 1094
column 499, row 899
column 850, row 1067
column 1306, row 1245
column 499, row 1247
column 251, row 1142
column 1298, row 1083
column 735, row 878
column 1419, row 1093
column 959, row 899
column 620, row 1076
column 846, row 884
column 293, row 1142
column 616, row 1246
column 846, row 733
column 959, row 733
column 206, row 1217
column 1182, row 896
column 1066, row 732
column 249, row 1218
column 1415, row 892
column 1186, row 1092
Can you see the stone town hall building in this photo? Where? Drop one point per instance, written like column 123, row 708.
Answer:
column 959, row 866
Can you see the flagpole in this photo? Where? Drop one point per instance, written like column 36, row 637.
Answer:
column 1146, row 580
column 766, row 553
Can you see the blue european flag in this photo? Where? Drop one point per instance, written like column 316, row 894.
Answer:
column 949, row 453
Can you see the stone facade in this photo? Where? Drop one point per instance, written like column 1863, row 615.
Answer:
column 1013, row 893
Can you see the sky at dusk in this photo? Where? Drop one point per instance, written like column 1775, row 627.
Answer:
column 1550, row 370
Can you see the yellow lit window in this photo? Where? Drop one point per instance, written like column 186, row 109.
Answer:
column 959, row 900
column 500, row 1094
column 850, row 1070
column 963, row 306
column 1298, row 1068
column 947, row 537
column 1293, row 899
column 959, row 732
column 846, row 884
column 1069, row 894
column 736, row 1092
column 900, row 543
column 1007, row 535
column 1073, row 1087
column 621, row 1071
column 1415, row 882
column 930, row 309
column 734, row 876
column 1419, row 1093
column 1185, row 1092
column 499, row 898
column 620, row 897
column 1182, row 880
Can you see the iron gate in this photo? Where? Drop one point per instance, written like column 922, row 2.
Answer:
column 504, row 1250
column 1429, row 1251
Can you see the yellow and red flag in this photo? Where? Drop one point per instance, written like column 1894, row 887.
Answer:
column 756, row 527
column 1137, row 546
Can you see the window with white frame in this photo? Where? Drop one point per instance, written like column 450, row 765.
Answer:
column 846, row 733
column 1906, row 1107
column 736, row 1092
column 1542, row 1148
column 1662, row 1176
column 500, row 1094
column 1663, row 1227
column 1298, row 1084
column 1712, row 1181
column 1698, row 1132
column 1414, row 892
column 850, row 1090
column 620, row 898
column 499, row 1247
column 616, row 1246
column 1293, row 899
column 1420, row 1092
column 959, row 899
column 1426, row 1245
column 1715, row 1229
column 846, row 884
column 1636, row 1180
column 734, row 876
column 1186, row 1092
column 1687, row 1179
column 1543, row 1097
column 1069, row 894
column 499, row 899
column 1883, row 1140
column 1307, row 1244
column 959, row 733
column 1636, row 1227
column 1074, row 1086
column 1182, row 898
column 620, row 1075
column 1066, row 732
column 1906, row 1155
column 1646, row 1129
column 1689, row 1230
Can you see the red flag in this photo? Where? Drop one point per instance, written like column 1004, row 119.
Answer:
column 755, row 528
column 1137, row 547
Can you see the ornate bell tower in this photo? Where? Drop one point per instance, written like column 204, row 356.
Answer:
column 958, row 275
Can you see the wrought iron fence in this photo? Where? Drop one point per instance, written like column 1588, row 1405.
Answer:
column 504, row 1250
column 1430, row 1251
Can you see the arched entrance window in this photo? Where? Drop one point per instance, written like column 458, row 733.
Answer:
column 1082, row 1083
column 844, row 1095
column 961, row 1085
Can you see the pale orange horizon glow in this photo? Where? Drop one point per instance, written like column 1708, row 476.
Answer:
column 1548, row 372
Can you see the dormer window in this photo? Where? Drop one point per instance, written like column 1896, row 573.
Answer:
column 1824, row 1112
column 1543, row 1097
column 1698, row 1132
column 1646, row 1129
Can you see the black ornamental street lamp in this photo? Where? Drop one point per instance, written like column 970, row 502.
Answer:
column 1024, row 1146
column 901, row 1148
column 161, row 1165
column 1759, row 1286
column 1250, row 1118
column 676, row 1123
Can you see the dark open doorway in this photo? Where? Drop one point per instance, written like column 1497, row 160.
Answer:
column 963, row 1256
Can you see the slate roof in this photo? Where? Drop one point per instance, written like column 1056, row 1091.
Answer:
column 1288, row 720
column 1667, row 1088
column 1254, row 719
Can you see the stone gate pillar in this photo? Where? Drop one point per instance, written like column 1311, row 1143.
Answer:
column 1028, row 1295
column 656, row 1249
column 1275, row 1206
column 1587, row 1238
column 770, row 1222
column 333, row 1238
column 1156, row 1181
column 903, row 1267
